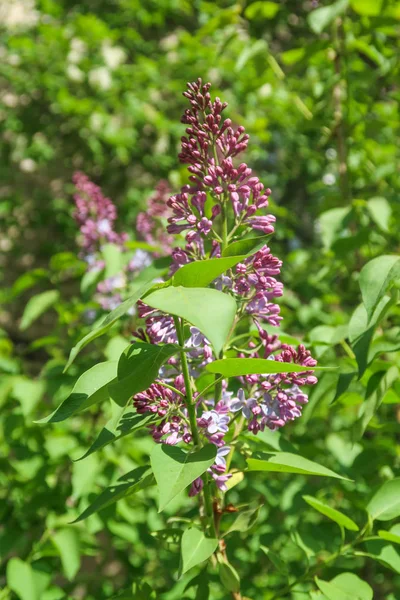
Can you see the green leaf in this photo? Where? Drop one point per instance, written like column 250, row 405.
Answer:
column 332, row 221
column 385, row 504
column 376, row 278
column 36, row 306
column 201, row 273
column 235, row 367
column 109, row 321
column 390, row 536
column 380, row 211
column 261, row 9
column 285, row 462
column 245, row 247
column 195, row 549
column 91, row 388
column 384, row 553
column 123, row 422
column 276, row 560
column 138, row 367
column 229, row 577
column 346, row 586
column 211, row 311
column 244, row 521
column 367, row 8
column 113, row 258
column 175, row 469
column 67, row 543
column 21, row 579
column 128, row 484
column 361, row 332
column 331, row 513
column 373, row 400
column 320, row 18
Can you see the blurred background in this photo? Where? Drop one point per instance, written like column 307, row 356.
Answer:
column 96, row 86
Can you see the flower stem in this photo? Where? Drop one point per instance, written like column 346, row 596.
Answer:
column 191, row 408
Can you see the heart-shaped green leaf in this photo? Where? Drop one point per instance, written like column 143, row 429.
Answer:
column 175, row 469
column 195, row 549
column 211, row 311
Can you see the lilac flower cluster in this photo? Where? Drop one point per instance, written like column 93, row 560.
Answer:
column 209, row 147
column 96, row 216
column 222, row 203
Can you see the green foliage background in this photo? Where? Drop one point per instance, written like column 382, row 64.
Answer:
column 96, row 86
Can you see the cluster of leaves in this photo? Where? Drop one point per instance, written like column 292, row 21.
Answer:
column 318, row 90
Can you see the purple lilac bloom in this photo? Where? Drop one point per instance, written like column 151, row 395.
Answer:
column 95, row 215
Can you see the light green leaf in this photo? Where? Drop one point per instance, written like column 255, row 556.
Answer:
column 201, row 273
column 235, row 367
column 376, row 278
column 244, row 521
column 380, row 211
column 128, row 484
column 331, row 513
column 195, row 549
column 391, row 536
column 384, row 552
column 28, row 393
column 346, row 586
column 331, row 221
column 385, row 504
column 21, row 579
column 249, row 52
column 175, row 469
column 91, row 388
column 36, row 306
column 320, row 18
column 285, row 462
column 212, row 312
column 67, row 543
column 109, row 321
column 113, row 258
column 246, row 247
column 123, row 422
column 138, row 367
column 229, row 577
column 261, row 9
column 367, row 8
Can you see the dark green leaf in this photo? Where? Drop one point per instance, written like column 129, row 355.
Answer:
column 138, row 367
column 132, row 482
column 245, row 520
column 91, row 388
column 109, row 321
column 229, row 577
